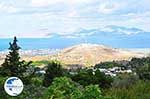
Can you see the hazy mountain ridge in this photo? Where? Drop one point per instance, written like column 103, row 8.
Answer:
column 111, row 29
column 113, row 35
column 116, row 36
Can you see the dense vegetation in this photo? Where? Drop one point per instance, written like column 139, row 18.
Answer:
column 54, row 69
column 58, row 83
column 88, row 76
column 108, row 65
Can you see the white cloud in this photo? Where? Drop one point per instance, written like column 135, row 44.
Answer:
column 42, row 3
column 8, row 8
column 106, row 29
column 73, row 13
column 109, row 7
column 34, row 34
column 66, row 16
column 2, row 35
column 134, row 15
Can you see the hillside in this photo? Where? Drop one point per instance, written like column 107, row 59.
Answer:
column 90, row 54
column 83, row 55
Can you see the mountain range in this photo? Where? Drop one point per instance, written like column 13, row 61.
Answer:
column 111, row 35
column 115, row 36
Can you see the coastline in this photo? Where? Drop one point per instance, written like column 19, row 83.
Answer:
column 52, row 54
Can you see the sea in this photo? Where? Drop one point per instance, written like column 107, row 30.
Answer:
column 36, row 43
column 55, row 43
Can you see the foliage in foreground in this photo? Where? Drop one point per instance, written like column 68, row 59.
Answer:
column 65, row 88
column 61, row 88
column 14, row 66
column 125, row 80
column 140, row 90
column 54, row 69
column 141, row 66
column 88, row 76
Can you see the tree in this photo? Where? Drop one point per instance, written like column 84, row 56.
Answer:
column 92, row 92
column 65, row 88
column 12, row 65
column 144, row 72
column 62, row 88
column 88, row 76
column 108, row 65
column 54, row 69
column 139, row 90
column 142, row 67
column 125, row 80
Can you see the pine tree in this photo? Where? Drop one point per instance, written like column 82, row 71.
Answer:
column 54, row 69
column 12, row 65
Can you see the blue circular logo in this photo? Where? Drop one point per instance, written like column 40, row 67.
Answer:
column 13, row 86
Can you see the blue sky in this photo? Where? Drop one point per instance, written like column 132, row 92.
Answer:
column 43, row 18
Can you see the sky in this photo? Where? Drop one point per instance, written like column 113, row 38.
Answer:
column 43, row 18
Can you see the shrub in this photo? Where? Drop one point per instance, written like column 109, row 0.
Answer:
column 125, row 80
column 54, row 69
column 140, row 90
column 88, row 76
column 63, row 88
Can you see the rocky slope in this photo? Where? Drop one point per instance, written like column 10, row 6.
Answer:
column 90, row 54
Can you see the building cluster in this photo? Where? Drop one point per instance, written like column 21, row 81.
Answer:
column 33, row 52
column 113, row 71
